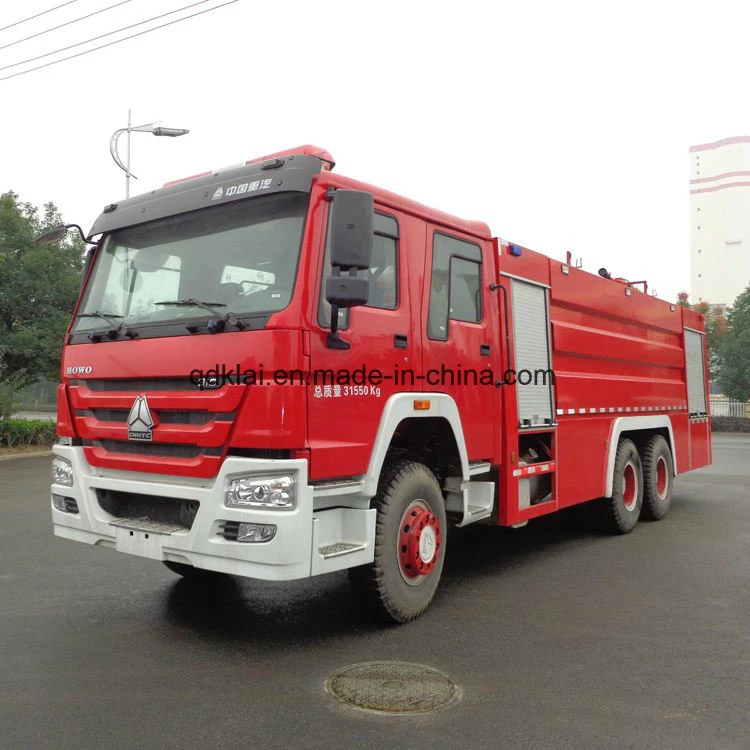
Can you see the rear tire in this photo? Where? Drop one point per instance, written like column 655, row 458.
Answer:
column 619, row 514
column 190, row 572
column 658, row 475
column 400, row 583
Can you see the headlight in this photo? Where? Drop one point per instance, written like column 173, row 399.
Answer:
column 62, row 472
column 270, row 491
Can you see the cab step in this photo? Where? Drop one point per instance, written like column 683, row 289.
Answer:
column 471, row 501
column 340, row 548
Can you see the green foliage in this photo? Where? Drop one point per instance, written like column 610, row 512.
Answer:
column 38, row 289
column 735, row 372
column 17, row 433
column 10, row 392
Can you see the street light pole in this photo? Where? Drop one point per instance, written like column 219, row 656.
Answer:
column 147, row 128
column 127, row 163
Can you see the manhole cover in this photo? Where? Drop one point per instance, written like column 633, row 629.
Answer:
column 393, row 687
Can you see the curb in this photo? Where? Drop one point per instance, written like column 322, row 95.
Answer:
column 33, row 454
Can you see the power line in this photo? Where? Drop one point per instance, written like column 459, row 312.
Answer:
column 102, row 36
column 117, row 41
column 67, row 23
column 43, row 13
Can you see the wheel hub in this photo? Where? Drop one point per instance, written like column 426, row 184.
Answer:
column 629, row 487
column 662, row 478
column 419, row 541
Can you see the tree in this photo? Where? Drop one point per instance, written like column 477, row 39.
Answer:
column 716, row 330
column 38, row 290
column 735, row 371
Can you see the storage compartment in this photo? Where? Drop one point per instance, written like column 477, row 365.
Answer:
column 536, row 464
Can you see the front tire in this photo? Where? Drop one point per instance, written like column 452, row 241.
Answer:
column 620, row 513
column 400, row 583
column 658, row 473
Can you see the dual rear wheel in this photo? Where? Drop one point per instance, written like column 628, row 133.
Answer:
column 642, row 485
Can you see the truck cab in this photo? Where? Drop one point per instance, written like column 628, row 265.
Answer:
column 210, row 418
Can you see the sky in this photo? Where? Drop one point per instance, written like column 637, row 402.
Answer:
column 563, row 125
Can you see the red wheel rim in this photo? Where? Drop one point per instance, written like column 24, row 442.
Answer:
column 419, row 542
column 662, row 478
column 629, row 487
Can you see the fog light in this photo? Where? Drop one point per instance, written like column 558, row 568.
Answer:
column 64, row 504
column 256, row 532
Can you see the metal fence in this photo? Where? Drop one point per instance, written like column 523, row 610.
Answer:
column 727, row 407
column 39, row 396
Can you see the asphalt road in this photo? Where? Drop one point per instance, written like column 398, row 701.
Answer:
column 556, row 637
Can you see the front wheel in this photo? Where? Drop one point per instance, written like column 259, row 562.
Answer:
column 409, row 545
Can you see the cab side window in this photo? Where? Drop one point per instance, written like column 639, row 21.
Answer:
column 383, row 272
column 455, row 284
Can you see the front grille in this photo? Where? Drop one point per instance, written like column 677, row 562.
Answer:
column 130, row 505
column 171, row 450
column 165, row 416
column 229, row 530
column 139, row 385
column 268, row 453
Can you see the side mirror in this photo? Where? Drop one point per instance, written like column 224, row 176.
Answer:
column 347, row 291
column 351, row 230
column 351, row 251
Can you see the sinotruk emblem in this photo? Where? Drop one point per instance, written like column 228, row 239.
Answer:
column 140, row 421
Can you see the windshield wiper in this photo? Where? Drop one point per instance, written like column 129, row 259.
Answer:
column 109, row 317
column 214, row 326
column 112, row 318
column 210, row 306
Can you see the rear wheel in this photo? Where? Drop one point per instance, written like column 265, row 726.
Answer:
column 191, row 572
column 658, row 473
column 619, row 514
column 409, row 545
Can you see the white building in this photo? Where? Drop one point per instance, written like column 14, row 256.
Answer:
column 720, row 220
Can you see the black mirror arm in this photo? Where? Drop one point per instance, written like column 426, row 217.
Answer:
column 334, row 340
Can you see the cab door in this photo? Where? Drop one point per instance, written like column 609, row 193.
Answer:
column 349, row 388
column 460, row 334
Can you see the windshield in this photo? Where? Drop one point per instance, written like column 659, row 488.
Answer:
column 240, row 258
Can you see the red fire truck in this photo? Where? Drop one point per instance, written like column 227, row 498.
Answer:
column 275, row 371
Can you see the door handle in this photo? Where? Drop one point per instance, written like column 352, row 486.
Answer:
column 484, row 350
column 400, row 340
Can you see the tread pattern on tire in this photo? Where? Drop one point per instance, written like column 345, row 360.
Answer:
column 611, row 515
column 654, row 508
column 368, row 581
